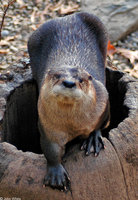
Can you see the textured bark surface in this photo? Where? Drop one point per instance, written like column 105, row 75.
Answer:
column 120, row 17
column 111, row 175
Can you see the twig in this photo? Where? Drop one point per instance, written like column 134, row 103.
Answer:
column 4, row 14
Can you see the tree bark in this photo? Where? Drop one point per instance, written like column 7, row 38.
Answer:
column 110, row 176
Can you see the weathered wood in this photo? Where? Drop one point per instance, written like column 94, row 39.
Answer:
column 91, row 178
column 111, row 175
column 124, row 137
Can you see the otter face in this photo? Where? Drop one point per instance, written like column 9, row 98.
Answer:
column 69, row 83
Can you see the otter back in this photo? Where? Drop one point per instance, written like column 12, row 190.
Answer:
column 79, row 40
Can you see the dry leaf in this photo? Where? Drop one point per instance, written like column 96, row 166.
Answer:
column 129, row 54
column 34, row 27
column 20, row 2
column 38, row 1
column 64, row 9
column 4, row 43
column 136, row 67
column 45, row 12
column 33, row 15
column 4, row 51
column 68, row 9
column 5, row 4
column 110, row 50
column 56, row 7
column 4, row 66
column 131, row 72
column 10, row 38
column 110, row 64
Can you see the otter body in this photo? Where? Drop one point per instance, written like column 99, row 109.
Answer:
column 68, row 63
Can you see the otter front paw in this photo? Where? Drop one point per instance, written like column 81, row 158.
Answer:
column 94, row 143
column 57, row 177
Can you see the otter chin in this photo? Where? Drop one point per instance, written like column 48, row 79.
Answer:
column 67, row 93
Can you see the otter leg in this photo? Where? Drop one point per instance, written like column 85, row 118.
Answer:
column 57, row 176
column 93, row 143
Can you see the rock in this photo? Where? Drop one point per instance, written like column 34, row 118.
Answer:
column 111, row 175
column 120, row 17
column 5, row 33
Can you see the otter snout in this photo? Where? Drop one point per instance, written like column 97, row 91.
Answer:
column 69, row 84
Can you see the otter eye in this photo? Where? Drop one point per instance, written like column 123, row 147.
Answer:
column 90, row 78
column 57, row 76
column 80, row 80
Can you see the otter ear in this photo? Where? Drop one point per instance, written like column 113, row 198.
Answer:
column 90, row 78
column 97, row 28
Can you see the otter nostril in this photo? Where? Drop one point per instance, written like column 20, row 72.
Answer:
column 69, row 84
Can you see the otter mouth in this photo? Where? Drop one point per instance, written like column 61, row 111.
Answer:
column 67, row 90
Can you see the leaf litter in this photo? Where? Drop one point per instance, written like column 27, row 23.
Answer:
column 23, row 17
column 124, row 54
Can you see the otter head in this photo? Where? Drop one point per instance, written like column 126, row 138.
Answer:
column 68, row 84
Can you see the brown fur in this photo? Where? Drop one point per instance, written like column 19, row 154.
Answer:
column 64, row 118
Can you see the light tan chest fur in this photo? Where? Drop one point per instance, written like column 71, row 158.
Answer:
column 63, row 122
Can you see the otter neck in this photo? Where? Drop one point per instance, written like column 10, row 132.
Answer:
column 50, row 106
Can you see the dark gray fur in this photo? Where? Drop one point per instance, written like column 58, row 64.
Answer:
column 79, row 40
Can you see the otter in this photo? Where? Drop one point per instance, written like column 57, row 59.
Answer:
column 68, row 57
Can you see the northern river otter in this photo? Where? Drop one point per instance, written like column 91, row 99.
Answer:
column 67, row 57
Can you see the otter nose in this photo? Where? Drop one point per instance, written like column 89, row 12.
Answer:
column 69, row 84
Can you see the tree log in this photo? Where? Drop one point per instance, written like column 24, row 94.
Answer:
column 110, row 176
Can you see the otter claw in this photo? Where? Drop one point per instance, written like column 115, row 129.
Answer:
column 83, row 147
column 96, row 154
column 57, row 178
column 93, row 144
